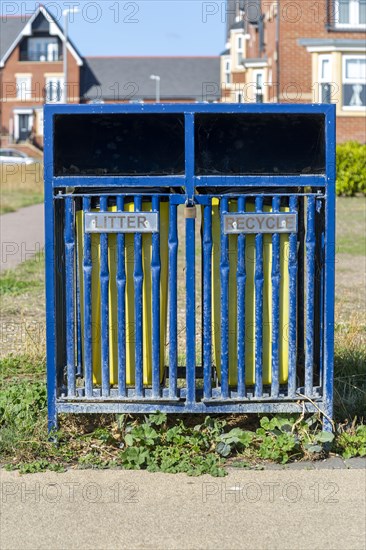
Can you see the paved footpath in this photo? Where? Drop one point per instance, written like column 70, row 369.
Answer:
column 270, row 509
column 22, row 235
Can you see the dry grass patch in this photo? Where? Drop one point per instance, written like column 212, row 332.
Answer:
column 20, row 186
column 22, row 316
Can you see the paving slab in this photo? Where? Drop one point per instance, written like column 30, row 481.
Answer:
column 334, row 463
column 22, row 235
column 254, row 510
column 358, row 462
column 305, row 465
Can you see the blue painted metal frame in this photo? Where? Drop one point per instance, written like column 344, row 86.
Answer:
column 188, row 399
column 189, row 110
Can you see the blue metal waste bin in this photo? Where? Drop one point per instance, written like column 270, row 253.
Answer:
column 250, row 192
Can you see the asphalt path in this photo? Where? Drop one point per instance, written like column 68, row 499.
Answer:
column 270, row 509
column 22, row 235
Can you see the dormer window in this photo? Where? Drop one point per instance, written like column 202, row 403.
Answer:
column 44, row 49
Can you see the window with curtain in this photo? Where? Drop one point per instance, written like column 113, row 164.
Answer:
column 354, row 82
column 54, row 90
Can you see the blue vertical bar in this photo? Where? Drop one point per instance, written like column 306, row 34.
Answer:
column 87, row 305
column 330, row 219
column 241, row 282
column 321, row 305
column 104, row 303
column 155, row 275
column 121, row 307
column 224, row 280
column 189, row 154
column 259, row 282
column 50, row 297
column 190, row 262
column 70, row 294
column 138, row 278
column 276, row 281
column 207, row 299
column 310, row 295
column 292, row 329
column 173, row 273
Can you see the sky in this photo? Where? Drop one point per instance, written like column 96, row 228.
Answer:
column 138, row 27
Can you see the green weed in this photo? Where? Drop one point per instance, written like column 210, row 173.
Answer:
column 352, row 442
column 27, row 366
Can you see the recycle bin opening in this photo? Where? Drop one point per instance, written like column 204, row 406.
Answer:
column 259, row 144
column 119, row 144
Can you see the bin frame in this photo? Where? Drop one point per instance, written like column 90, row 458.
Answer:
column 326, row 182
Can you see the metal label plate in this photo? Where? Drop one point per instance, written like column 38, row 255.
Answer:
column 121, row 222
column 256, row 222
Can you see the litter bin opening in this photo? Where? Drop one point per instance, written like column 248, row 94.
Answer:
column 119, row 144
column 259, row 144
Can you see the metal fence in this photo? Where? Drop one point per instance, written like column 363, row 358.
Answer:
column 248, row 254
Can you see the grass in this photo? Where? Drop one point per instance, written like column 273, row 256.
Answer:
column 22, row 310
column 351, row 226
column 95, row 440
column 20, row 186
column 29, row 275
column 349, row 369
column 22, row 367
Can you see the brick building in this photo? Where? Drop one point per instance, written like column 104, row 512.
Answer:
column 299, row 52
column 283, row 51
column 32, row 73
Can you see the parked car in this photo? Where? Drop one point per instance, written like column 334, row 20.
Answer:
column 12, row 156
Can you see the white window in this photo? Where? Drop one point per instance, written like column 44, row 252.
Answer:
column 54, row 91
column 24, row 87
column 259, row 81
column 239, row 51
column 354, row 82
column 227, row 72
column 350, row 13
column 43, row 49
column 40, row 122
column 325, row 79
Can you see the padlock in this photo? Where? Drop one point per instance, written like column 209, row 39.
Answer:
column 190, row 211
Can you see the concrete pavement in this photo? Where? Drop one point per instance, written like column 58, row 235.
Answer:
column 256, row 510
column 22, row 235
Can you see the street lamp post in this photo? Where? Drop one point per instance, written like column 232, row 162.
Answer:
column 66, row 13
column 157, row 88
